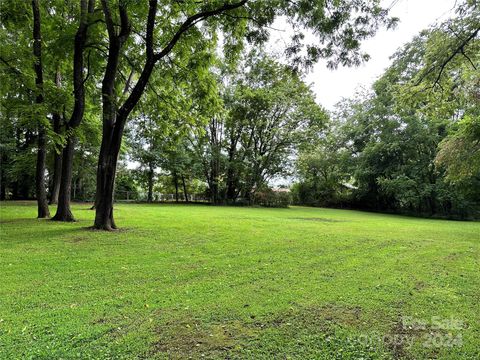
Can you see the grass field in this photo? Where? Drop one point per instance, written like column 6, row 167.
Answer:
column 239, row 283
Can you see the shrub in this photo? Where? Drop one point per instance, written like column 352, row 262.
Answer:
column 271, row 198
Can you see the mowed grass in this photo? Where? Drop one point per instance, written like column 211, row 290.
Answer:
column 199, row 281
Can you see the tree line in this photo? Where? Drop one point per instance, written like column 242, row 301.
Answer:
column 410, row 144
column 181, row 90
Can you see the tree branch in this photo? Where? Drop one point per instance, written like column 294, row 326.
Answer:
column 108, row 19
column 459, row 49
column 191, row 21
column 10, row 66
column 150, row 26
column 139, row 87
column 124, row 23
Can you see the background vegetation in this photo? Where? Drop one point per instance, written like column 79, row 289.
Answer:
column 225, row 123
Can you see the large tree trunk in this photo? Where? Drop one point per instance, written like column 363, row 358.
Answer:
column 150, row 184
column 63, row 209
column 112, row 123
column 107, row 166
column 104, row 204
column 40, row 187
column 106, row 171
column 41, row 191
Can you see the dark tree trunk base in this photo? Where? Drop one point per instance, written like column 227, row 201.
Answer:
column 63, row 212
column 43, row 214
column 105, row 224
column 64, row 217
column 104, row 228
column 104, row 219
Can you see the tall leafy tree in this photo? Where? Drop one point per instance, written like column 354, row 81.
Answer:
column 40, row 186
column 81, row 36
column 273, row 112
column 268, row 114
column 339, row 26
column 58, row 45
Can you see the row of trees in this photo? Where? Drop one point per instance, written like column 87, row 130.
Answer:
column 412, row 142
column 265, row 114
column 73, row 70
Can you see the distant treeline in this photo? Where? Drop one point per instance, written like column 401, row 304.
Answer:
column 411, row 144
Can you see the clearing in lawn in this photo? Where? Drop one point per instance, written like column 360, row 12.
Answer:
column 224, row 282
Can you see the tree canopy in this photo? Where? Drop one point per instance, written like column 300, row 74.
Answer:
column 203, row 108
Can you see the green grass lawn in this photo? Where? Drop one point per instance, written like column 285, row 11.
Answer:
column 238, row 283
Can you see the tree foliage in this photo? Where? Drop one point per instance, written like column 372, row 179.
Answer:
column 411, row 143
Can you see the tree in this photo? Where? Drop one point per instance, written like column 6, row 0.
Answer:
column 450, row 43
column 340, row 35
column 460, row 152
column 272, row 114
column 173, row 32
column 404, row 139
column 40, row 188
column 63, row 210
column 157, row 132
column 268, row 114
column 147, row 144
column 322, row 174
column 58, row 33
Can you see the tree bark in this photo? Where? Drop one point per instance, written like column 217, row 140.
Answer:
column 40, row 188
column 63, row 209
column 64, row 212
column 57, row 160
column 106, row 170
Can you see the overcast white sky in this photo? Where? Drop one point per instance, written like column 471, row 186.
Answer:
column 331, row 86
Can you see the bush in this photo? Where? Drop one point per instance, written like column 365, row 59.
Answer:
column 270, row 198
